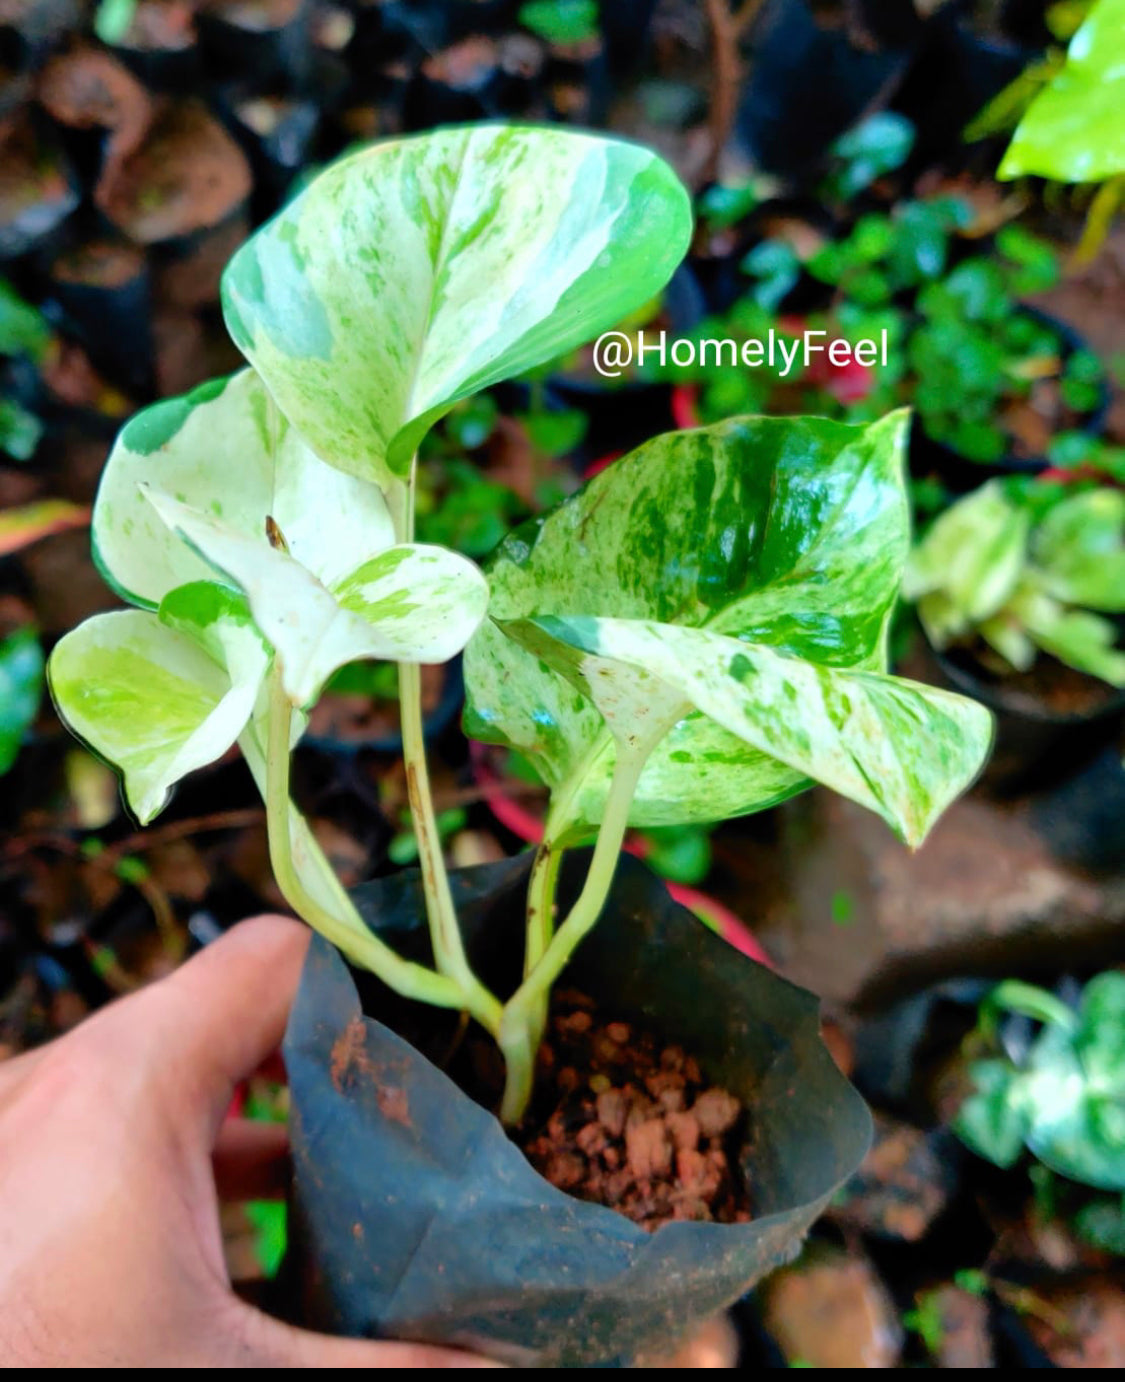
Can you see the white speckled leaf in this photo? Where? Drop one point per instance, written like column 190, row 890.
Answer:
column 968, row 564
column 227, row 451
column 411, row 603
column 160, row 695
column 418, row 271
column 791, row 532
column 902, row 750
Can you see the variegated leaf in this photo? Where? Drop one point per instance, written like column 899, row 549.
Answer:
column 902, row 750
column 160, row 695
column 1079, row 550
column 418, row 271
column 227, row 451
column 411, row 603
column 790, row 532
column 967, row 566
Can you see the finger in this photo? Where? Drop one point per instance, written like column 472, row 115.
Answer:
column 281, row 1345
column 218, row 1017
column 251, row 1160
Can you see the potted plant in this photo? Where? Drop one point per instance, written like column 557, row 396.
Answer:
column 699, row 632
column 1060, row 1094
column 1013, row 586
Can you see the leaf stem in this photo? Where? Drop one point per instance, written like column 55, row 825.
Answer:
column 445, row 933
column 521, row 1027
column 344, row 928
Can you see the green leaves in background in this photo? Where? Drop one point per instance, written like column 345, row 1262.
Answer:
column 21, row 685
column 1065, row 1101
column 968, row 565
column 785, row 533
column 421, row 270
column 991, row 568
column 876, row 145
column 23, row 328
column 1073, row 131
column 1080, row 549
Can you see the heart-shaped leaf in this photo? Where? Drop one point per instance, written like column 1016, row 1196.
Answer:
column 902, row 750
column 159, row 695
column 227, row 451
column 788, row 532
column 411, row 603
column 419, row 271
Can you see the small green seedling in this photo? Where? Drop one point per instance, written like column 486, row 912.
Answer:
column 698, row 633
column 1023, row 571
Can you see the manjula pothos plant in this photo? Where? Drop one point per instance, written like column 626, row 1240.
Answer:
column 699, row 633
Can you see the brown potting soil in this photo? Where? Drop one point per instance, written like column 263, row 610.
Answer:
column 624, row 1119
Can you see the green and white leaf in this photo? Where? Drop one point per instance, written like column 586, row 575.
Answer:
column 141, row 690
column 1084, row 641
column 903, row 750
column 1073, row 130
column 226, row 450
column 418, row 271
column 789, row 532
column 411, row 603
column 966, row 568
column 1079, row 550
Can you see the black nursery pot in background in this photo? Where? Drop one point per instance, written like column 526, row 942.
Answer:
column 414, row 1216
column 808, row 85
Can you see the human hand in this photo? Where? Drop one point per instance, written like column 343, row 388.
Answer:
column 113, row 1159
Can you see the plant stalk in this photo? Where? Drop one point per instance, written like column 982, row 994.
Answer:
column 524, row 1017
column 445, row 933
column 345, row 929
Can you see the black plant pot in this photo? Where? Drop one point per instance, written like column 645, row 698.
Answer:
column 413, row 1215
column 164, row 54
column 808, row 86
column 104, row 289
column 953, row 78
column 268, row 47
column 958, row 473
column 1034, row 746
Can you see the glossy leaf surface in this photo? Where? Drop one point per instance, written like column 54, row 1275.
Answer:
column 418, row 271
column 785, row 532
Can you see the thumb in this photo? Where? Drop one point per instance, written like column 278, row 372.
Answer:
column 275, row 1344
column 224, row 1012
